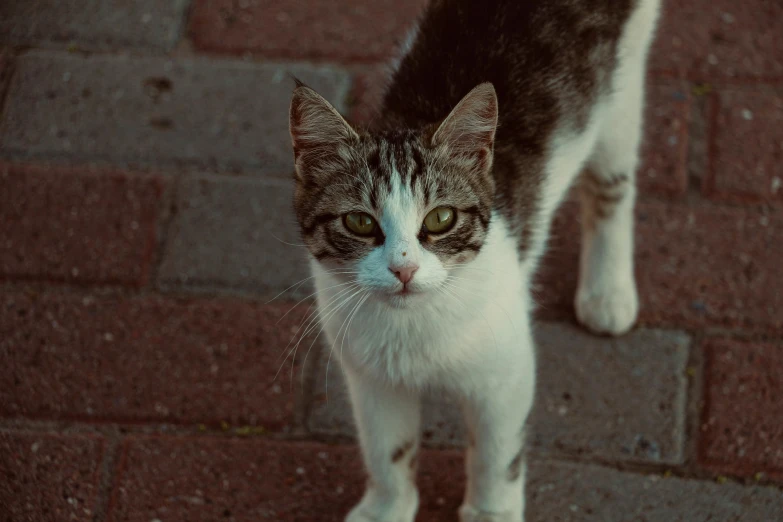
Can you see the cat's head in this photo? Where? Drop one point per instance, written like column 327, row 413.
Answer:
column 395, row 211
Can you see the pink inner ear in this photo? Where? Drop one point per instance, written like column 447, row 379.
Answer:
column 471, row 125
column 314, row 123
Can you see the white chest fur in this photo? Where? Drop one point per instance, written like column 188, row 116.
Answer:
column 479, row 313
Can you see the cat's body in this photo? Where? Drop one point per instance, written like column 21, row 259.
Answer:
column 407, row 307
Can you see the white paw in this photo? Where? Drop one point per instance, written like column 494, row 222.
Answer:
column 369, row 510
column 608, row 311
column 470, row 514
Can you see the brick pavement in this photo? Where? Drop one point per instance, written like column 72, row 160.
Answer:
column 145, row 223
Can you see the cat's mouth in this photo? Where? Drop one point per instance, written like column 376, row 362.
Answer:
column 403, row 296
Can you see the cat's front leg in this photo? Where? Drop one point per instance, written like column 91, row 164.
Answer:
column 387, row 420
column 496, row 449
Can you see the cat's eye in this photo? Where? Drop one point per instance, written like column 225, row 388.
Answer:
column 439, row 220
column 360, row 223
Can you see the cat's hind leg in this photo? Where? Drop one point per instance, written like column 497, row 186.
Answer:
column 606, row 300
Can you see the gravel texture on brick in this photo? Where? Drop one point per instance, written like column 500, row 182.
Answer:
column 576, row 493
column 664, row 147
column 741, row 431
column 345, row 31
column 717, row 39
column 77, row 224
column 92, row 24
column 634, row 412
column 227, row 115
column 235, row 233
column 147, row 359
column 48, row 477
column 206, row 478
column 746, row 146
column 696, row 266
column 213, row 478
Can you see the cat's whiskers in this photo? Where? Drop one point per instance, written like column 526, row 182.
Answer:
column 457, row 278
column 310, row 317
column 336, row 338
column 366, row 296
column 312, row 295
column 332, row 271
column 467, row 266
column 324, row 322
column 332, row 300
column 349, row 319
column 285, row 242
column 312, row 322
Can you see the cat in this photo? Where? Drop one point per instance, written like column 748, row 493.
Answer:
column 424, row 230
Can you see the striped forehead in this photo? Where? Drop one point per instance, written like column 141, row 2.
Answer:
column 397, row 171
column 400, row 214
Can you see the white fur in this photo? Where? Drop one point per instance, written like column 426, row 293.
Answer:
column 467, row 328
column 606, row 299
column 473, row 340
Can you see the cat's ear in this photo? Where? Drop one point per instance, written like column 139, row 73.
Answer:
column 319, row 134
column 469, row 130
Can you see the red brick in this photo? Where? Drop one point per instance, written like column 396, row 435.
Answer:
column 348, row 30
column 147, row 359
column 665, row 142
column 77, row 225
column 741, row 429
column 48, row 477
column 707, row 39
column 206, row 479
column 746, row 146
column 696, row 266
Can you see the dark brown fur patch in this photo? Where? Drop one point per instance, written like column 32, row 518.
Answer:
column 549, row 61
column 414, row 461
column 400, row 451
column 602, row 194
column 515, row 466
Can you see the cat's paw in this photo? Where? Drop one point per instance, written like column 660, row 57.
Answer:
column 361, row 515
column 468, row 513
column 369, row 510
column 610, row 310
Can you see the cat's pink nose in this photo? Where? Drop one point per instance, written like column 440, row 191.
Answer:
column 404, row 273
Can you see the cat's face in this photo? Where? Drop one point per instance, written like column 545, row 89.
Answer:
column 397, row 211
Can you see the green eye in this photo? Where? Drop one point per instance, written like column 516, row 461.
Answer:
column 360, row 223
column 439, row 220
